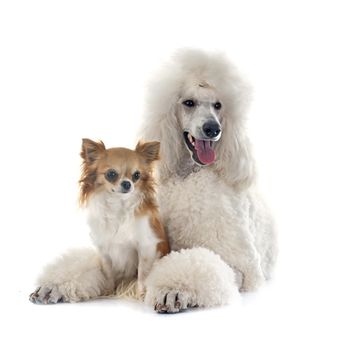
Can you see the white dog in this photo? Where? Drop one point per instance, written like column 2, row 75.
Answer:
column 196, row 109
column 220, row 231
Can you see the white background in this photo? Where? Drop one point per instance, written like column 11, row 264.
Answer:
column 73, row 69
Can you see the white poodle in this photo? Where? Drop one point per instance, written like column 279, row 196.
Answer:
column 221, row 233
column 196, row 109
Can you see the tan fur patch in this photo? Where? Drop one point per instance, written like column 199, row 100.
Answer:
column 90, row 152
column 149, row 208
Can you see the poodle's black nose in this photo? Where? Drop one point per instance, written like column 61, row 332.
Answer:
column 126, row 185
column 211, row 129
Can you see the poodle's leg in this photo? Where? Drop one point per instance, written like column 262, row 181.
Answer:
column 76, row 276
column 264, row 231
column 252, row 275
column 240, row 253
column 244, row 258
column 189, row 278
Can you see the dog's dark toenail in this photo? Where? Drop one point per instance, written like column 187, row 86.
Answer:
column 177, row 302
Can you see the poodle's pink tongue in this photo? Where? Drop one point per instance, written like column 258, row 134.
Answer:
column 205, row 152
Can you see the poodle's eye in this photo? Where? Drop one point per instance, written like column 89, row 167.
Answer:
column 188, row 103
column 136, row 175
column 111, row 175
column 217, row 105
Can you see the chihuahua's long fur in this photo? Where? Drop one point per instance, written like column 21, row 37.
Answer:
column 117, row 187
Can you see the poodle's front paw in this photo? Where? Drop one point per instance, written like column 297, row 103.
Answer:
column 47, row 295
column 172, row 302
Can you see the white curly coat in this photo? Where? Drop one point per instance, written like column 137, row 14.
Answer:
column 220, row 231
column 215, row 207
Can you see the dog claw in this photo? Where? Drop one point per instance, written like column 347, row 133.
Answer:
column 160, row 308
column 33, row 297
column 46, row 295
column 177, row 302
column 173, row 302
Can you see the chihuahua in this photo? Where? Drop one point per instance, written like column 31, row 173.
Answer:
column 118, row 188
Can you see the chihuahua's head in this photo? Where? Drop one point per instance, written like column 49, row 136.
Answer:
column 118, row 172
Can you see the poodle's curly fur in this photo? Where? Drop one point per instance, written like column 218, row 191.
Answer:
column 221, row 232
column 214, row 207
column 190, row 67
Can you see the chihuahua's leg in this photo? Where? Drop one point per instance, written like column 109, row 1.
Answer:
column 146, row 259
column 76, row 276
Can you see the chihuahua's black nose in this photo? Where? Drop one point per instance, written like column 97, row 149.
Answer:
column 126, row 185
column 211, row 129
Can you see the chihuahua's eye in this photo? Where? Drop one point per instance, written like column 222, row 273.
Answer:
column 136, row 175
column 188, row 103
column 217, row 105
column 111, row 175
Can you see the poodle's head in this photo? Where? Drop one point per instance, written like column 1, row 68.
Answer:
column 198, row 111
column 196, row 108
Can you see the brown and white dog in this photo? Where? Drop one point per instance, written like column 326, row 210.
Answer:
column 118, row 189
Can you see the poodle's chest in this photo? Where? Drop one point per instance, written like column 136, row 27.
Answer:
column 201, row 209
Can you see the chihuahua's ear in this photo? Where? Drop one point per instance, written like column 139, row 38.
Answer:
column 91, row 150
column 149, row 150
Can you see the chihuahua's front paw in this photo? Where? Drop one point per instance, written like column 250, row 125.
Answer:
column 47, row 295
column 141, row 290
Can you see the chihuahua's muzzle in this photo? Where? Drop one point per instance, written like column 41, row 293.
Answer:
column 125, row 186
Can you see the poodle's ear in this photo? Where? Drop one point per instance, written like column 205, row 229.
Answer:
column 164, row 126
column 235, row 162
column 148, row 150
column 91, row 150
column 171, row 140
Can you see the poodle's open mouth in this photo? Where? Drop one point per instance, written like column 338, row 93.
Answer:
column 202, row 150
